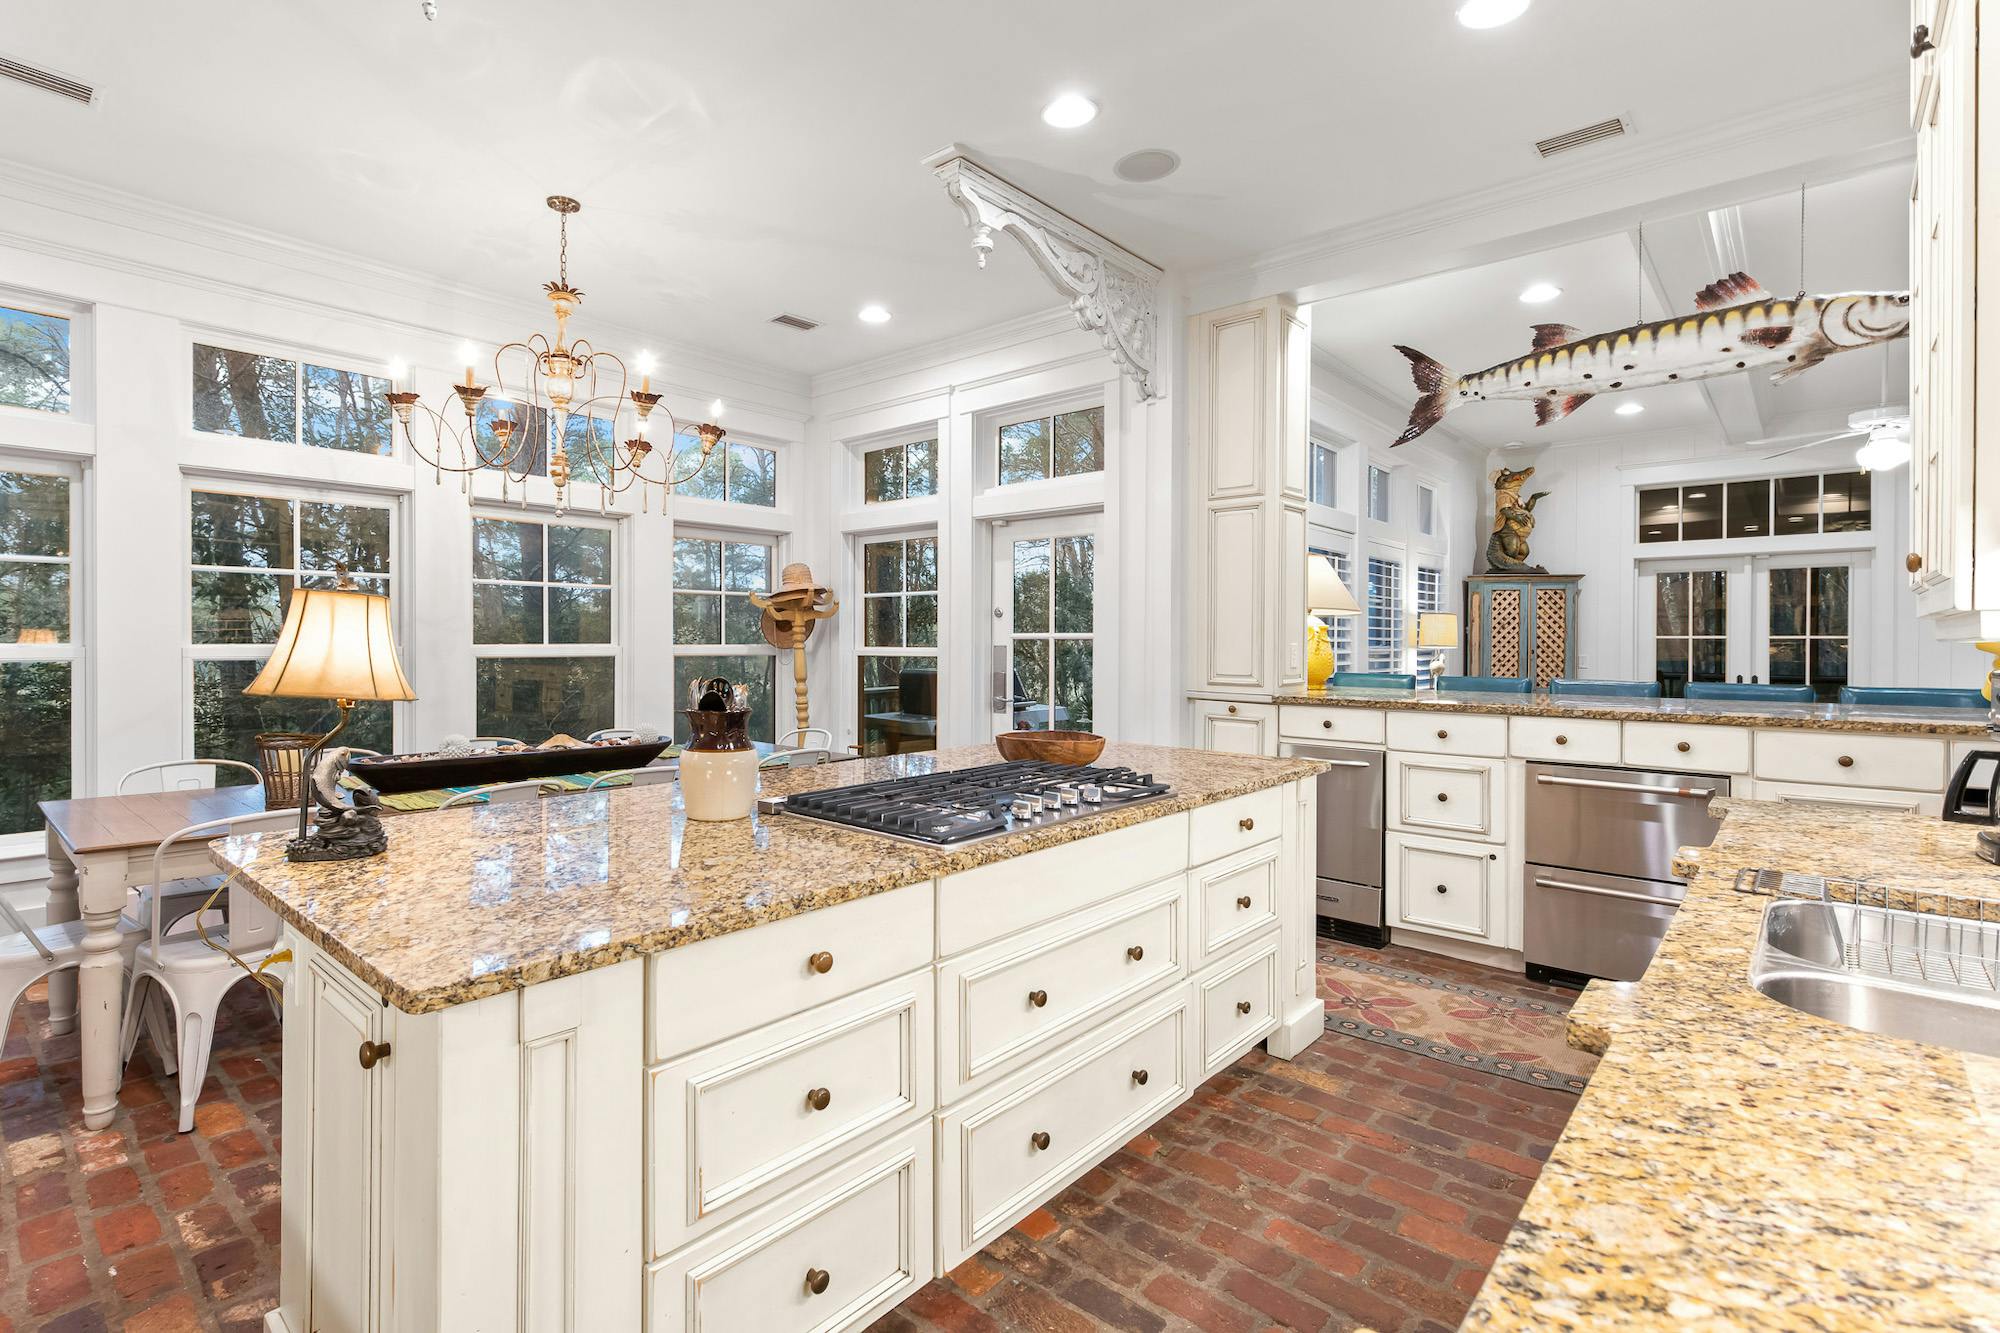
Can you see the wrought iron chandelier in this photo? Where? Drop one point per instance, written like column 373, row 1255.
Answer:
column 554, row 382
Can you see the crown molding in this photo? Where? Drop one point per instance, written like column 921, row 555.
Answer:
column 1016, row 332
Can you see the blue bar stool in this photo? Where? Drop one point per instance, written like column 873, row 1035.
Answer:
column 1488, row 684
column 1769, row 694
column 1900, row 696
column 1372, row 680
column 1606, row 689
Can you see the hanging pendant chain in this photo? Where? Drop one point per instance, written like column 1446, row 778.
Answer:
column 1639, row 287
column 1802, row 240
column 562, row 252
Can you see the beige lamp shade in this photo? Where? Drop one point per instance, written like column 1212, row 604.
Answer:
column 1437, row 629
column 1326, row 595
column 335, row 644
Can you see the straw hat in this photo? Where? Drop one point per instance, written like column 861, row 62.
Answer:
column 798, row 575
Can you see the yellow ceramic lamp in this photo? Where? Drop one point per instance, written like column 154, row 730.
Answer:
column 1326, row 595
column 1986, row 686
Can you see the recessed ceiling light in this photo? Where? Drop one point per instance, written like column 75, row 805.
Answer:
column 1069, row 111
column 1490, row 13
column 1630, row 409
column 1697, row 495
column 1540, row 293
column 874, row 314
column 1148, row 164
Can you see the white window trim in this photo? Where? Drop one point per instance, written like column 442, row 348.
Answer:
column 76, row 651
column 1047, row 492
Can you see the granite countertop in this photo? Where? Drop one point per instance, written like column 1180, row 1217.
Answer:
column 1736, row 1164
column 1729, row 713
column 476, row 900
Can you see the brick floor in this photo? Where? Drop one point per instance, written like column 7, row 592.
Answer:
column 1357, row 1185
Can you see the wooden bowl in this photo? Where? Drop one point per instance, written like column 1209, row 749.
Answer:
column 1054, row 747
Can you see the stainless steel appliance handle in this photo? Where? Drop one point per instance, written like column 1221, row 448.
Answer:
column 1341, row 763
column 1573, row 887
column 1699, row 793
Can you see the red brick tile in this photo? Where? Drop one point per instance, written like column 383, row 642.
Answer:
column 945, row 1308
column 185, row 1186
column 1396, row 1250
column 57, row 1285
column 135, row 1225
column 1513, row 1163
column 1257, row 1163
column 41, row 1194
column 1199, row 1308
column 176, row 1314
column 1145, row 1145
column 1435, row 1234
column 239, row 1149
column 212, row 1119
column 1246, row 1250
column 166, row 1154
column 1038, row 1225
column 118, row 1185
column 975, row 1278
column 47, row 1236
column 1018, row 1306
column 1352, row 1300
column 1314, row 1248
column 1292, row 1311
column 146, row 1273
column 1407, row 1195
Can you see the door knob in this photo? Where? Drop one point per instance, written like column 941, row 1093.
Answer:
column 821, row 962
column 1038, row 998
column 1040, row 1138
column 818, row 1099
column 1913, row 562
column 1328, row 724
column 373, row 1053
column 816, row 1280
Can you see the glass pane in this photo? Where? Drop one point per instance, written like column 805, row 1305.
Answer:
column 592, row 443
column 579, row 555
column 526, row 449
column 1024, row 451
column 884, row 625
column 753, row 476
column 1080, row 442
column 882, row 474
column 34, row 514
column 353, row 535
column 35, row 719
column 535, row 698
column 245, row 531
column 1670, row 665
column 347, row 410
column 697, row 619
column 697, row 563
column 1660, row 515
column 742, row 622
column 34, row 602
column 920, row 572
column 1670, row 600
column 1031, row 685
column 34, row 372
column 1798, row 505
column 1711, row 601
column 1701, row 513
column 1829, row 667
column 1829, row 600
column 920, row 470
column 226, row 720
column 1031, row 586
column 746, row 567
column 1076, row 585
column 1320, row 484
column 506, row 613
column 757, row 673
column 579, row 615
column 1788, row 601
column 1426, row 510
column 238, row 608
column 1709, row 659
column 922, row 615
column 1073, row 684
column 707, row 484
column 503, row 549
column 241, row 393
column 1378, row 494
column 897, row 704
column 882, row 567
column 1788, row 661
column 1846, row 502
column 1749, row 509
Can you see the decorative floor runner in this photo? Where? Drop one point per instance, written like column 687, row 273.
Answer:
column 1447, row 1018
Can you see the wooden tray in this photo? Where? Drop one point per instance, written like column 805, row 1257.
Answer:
column 387, row 773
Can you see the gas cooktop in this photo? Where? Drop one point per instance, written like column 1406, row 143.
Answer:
column 974, row 803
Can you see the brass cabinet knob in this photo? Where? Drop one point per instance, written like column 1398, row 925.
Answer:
column 1140, row 1076
column 1847, row 761
column 1232, row 710
column 816, row 1280
column 1136, row 952
column 1328, row 724
column 1038, row 998
column 1040, row 1138
column 1246, row 824
column 373, row 1053
column 1442, row 798
column 1920, row 42
column 821, row 962
column 1913, row 562
column 1243, row 903
column 1683, row 747
column 1443, row 889
column 818, row 1099
column 1443, row 735
column 1243, row 1006
column 1562, row 740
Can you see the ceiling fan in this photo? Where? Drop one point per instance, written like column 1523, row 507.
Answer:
column 1887, row 428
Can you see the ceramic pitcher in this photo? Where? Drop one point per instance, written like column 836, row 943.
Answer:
column 719, row 766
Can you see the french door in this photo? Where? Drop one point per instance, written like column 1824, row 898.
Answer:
column 1782, row 620
column 1047, row 658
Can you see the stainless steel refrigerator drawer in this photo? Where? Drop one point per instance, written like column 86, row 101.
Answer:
column 1359, row 903
column 1597, row 925
column 1617, row 821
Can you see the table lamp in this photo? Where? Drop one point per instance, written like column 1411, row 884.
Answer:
column 335, row 644
column 1437, row 629
column 1326, row 595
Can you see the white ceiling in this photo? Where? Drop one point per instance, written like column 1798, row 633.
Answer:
column 1472, row 318
column 740, row 160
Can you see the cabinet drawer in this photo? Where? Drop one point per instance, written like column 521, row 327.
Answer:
column 1318, row 722
column 1002, row 1005
column 1866, row 798
column 1681, row 747
column 1467, row 797
column 1449, row 733
column 1237, row 1003
column 772, row 970
column 866, row 1227
column 1230, row 826
column 1577, row 740
column 1004, row 1152
column 1906, row 762
column 741, row 1121
column 1236, row 728
column 984, row 904
column 1439, row 884
column 1233, row 900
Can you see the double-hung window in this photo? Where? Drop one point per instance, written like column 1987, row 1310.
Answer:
column 898, row 671
column 37, row 642
column 247, row 551
column 34, row 360
column 1385, row 614
column 544, row 628
column 262, row 397
column 717, row 629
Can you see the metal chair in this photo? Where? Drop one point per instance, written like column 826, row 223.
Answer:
column 799, row 754
column 1605, row 689
column 1769, row 694
column 1902, row 696
column 1487, row 684
column 186, row 894
column 636, row 777
column 500, row 793
column 1372, row 680
column 190, row 783
column 29, row 953
column 620, row 735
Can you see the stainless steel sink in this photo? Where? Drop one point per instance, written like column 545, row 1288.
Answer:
column 1905, row 974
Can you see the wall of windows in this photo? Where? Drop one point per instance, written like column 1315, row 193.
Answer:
column 1756, row 507
column 897, row 700
column 543, row 628
column 272, row 398
column 718, row 631
column 37, row 643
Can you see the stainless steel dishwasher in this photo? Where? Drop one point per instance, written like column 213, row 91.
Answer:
column 1349, row 865
column 1600, row 849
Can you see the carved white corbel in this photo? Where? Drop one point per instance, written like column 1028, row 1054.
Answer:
column 1112, row 291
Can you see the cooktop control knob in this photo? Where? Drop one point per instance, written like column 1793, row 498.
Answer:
column 1091, row 793
column 1021, row 808
column 1067, row 795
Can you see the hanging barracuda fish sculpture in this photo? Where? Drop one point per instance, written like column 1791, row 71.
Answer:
column 1737, row 325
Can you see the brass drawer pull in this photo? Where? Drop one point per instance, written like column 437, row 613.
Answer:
column 1140, row 1076
column 1246, row 824
column 818, row 1099
column 1562, row 740
column 1038, row 998
column 1243, row 903
column 373, row 1053
column 1913, row 562
column 821, row 962
column 1847, row 761
column 1442, row 798
column 1136, row 952
column 1232, row 710
column 1328, row 724
column 1683, row 747
column 1443, row 735
column 1040, row 1138
column 1443, row 889
column 1243, row 1006
column 816, row 1280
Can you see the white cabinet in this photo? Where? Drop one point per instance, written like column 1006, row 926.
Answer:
column 1687, row 747
column 1444, row 885
column 1456, row 797
column 1235, row 726
column 1907, row 763
column 1454, row 733
column 1565, row 740
column 1865, row 798
column 1234, row 899
column 1323, row 722
column 1236, row 1004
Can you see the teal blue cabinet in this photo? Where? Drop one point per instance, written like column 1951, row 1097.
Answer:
column 1522, row 625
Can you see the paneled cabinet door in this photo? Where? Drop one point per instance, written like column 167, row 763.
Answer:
column 332, row 1020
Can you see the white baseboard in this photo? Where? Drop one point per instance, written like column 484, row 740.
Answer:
column 1301, row 1027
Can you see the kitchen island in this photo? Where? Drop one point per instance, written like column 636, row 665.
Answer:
column 581, row 1064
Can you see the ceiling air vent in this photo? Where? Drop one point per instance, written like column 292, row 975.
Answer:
column 1589, row 134
column 43, row 79
column 799, row 322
